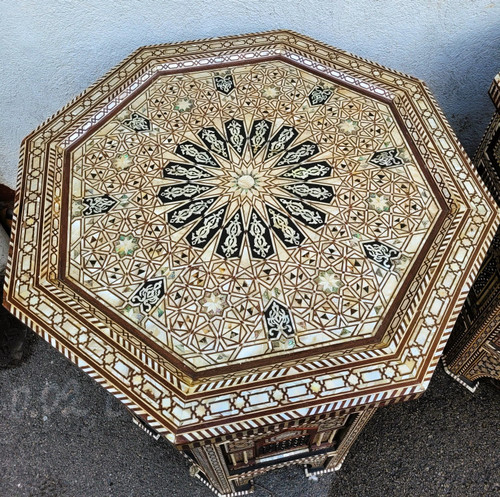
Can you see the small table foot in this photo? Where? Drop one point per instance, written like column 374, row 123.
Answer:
column 470, row 385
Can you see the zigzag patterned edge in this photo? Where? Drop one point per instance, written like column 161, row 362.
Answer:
column 472, row 387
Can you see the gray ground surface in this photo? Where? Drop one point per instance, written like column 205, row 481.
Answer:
column 62, row 435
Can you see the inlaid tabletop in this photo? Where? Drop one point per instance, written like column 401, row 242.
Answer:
column 233, row 232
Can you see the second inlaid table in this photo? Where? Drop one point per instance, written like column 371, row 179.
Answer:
column 473, row 350
column 252, row 241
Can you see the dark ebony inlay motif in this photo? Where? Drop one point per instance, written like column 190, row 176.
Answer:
column 259, row 135
column 224, row 83
column 148, row 295
column 303, row 212
column 136, row 122
column 380, row 253
column 196, row 154
column 232, row 234
column 278, row 320
column 281, row 140
column 207, row 228
column 98, row 205
column 259, row 237
column 231, row 238
column 312, row 170
column 285, row 228
column 319, row 95
column 310, row 191
column 186, row 213
column 186, row 172
column 214, row 141
column 386, row 158
column 299, row 154
column 236, row 135
column 176, row 193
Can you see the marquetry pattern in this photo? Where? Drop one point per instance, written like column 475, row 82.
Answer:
column 319, row 446
column 119, row 278
column 243, row 215
column 473, row 351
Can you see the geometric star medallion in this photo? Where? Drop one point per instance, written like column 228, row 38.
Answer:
column 232, row 230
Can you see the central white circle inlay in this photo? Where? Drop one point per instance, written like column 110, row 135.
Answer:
column 246, row 181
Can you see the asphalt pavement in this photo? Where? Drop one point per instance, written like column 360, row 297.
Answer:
column 62, row 435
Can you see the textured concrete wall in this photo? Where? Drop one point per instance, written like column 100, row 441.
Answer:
column 52, row 50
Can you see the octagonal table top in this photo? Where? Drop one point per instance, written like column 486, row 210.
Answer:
column 240, row 231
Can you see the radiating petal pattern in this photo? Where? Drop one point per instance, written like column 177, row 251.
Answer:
column 231, row 143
